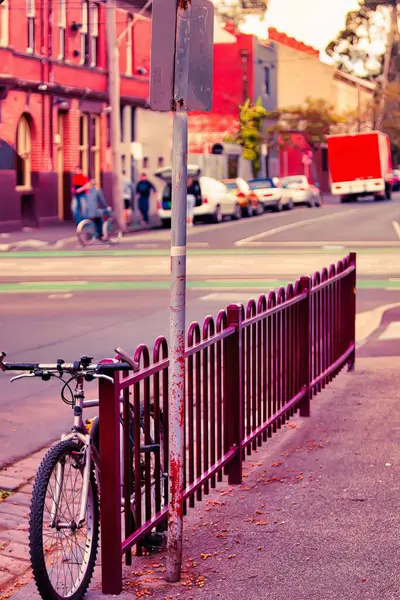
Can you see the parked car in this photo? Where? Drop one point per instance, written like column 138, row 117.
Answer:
column 396, row 180
column 271, row 194
column 302, row 191
column 214, row 201
column 247, row 198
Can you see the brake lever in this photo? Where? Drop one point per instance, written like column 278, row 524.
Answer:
column 106, row 377
column 22, row 376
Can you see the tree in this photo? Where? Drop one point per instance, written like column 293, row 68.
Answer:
column 359, row 49
column 315, row 119
column 250, row 134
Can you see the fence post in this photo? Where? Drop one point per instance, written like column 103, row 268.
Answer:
column 306, row 346
column 233, row 397
column 353, row 309
column 110, row 497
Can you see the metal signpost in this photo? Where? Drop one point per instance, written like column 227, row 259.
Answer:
column 180, row 81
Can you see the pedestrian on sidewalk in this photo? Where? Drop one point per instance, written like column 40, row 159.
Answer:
column 79, row 187
column 96, row 206
column 128, row 192
column 144, row 189
column 191, row 200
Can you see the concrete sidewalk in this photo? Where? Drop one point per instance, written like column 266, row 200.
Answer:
column 316, row 517
column 53, row 237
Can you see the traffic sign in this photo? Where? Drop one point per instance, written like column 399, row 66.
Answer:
column 168, row 53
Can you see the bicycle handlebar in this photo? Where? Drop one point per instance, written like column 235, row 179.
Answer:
column 83, row 365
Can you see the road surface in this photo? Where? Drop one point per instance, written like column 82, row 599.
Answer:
column 73, row 302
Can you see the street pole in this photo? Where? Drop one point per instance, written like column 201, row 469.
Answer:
column 177, row 330
column 387, row 64
column 115, row 116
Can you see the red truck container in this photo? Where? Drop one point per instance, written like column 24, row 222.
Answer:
column 360, row 164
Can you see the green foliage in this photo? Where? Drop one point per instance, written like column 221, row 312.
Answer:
column 315, row 119
column 251, row 117
column 352, row 49
column 391, row 117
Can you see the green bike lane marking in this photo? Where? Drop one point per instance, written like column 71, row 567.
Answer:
column 195, row 252
column 210, row 284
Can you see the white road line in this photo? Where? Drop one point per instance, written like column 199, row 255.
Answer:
column 396, row 226
column 60, row 296
column 333, row 247
column 230, row 297
column 289, row 226
column 44, row 283
column 392, row 332
column 312, row 244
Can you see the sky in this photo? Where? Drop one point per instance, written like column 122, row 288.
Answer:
column 314, row 22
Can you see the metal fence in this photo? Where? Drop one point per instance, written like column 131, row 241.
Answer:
column 248, row 372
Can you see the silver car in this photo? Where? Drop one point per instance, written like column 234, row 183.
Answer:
column 302, row 191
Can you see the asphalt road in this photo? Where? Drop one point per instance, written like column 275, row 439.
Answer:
column 73, row 302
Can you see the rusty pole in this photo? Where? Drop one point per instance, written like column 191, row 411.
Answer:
column 178, row 293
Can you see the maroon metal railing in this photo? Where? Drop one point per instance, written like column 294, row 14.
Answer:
column 248, row 372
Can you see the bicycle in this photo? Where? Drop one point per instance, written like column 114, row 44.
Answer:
column 70, row 514
column 86, row 230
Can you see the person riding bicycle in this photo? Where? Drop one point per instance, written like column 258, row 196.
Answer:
column 96, row 206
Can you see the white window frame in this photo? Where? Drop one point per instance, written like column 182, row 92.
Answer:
column 31, row 15
column 94, row 34
column 4, row 23
column 24, row 148
column 129, row 46
column 62, row 27
column 84, row 30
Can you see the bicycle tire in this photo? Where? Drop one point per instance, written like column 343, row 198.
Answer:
column 82, row 230
column 36, row 531
column 108, row 228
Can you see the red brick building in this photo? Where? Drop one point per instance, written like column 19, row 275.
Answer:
column 53, row 100
column 283, row 72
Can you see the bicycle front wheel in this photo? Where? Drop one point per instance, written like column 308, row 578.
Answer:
column 63, row 552
column 86, row 232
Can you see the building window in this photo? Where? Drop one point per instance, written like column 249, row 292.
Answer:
column 95, row 148
column 31, row 14
column 23, row 165
column 84, row 34
column 84, row 144
column 129, row 46
column 267, row 81
column 122, row 122
column 108, row 120
column 4, row 23
column 324, row 159
column 160, row 162
column 94, row 35
column 146, row 162
column 62, row 27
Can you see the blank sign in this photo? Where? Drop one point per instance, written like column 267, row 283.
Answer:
column 197, row 94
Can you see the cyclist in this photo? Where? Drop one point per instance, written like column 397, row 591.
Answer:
column 96, row 206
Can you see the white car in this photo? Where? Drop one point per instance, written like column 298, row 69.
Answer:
column 301, row 190
column 214, row 201
column 271, row 194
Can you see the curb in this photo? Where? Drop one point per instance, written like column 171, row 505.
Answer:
column 369, row 321
column 35, row 244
